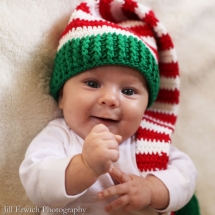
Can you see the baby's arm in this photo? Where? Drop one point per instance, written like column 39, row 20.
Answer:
column 100, row 149
column 48, row 157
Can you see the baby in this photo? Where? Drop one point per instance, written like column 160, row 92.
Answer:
column 116, row 81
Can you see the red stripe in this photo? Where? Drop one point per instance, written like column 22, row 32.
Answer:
column 81, row 23
column 128, row 9
column 164, row 42
column 167, row 118
column 142, row 30
column 168, row 96
column 150, row 162
column 105, row 10
column 150, row 135
column 169, row 70
column 150, row 19
column 84, row 7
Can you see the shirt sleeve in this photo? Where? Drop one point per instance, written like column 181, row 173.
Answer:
column 179, row 178
column 42, row 172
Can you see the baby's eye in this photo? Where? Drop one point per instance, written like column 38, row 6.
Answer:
column 128, row 92
column 92, row 84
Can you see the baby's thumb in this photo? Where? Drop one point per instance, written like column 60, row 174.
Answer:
column 118, row 138
column 99, row 128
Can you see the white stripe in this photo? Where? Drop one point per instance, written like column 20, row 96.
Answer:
column 150, row 40
column 169, row 83
column 168, row 56
column 94, row 7
column 165, row 107
column 160, row 29
column 159, row 121
column 152, row 147
column 154, row 127
column 84, row 16
column 162, row 111
column 142, row 10
column 116, row 10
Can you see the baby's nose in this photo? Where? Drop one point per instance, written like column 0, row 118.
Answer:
column 109, row 98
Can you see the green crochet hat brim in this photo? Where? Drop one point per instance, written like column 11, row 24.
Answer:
column 79, row 55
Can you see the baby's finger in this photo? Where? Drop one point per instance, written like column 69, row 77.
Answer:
column 118, row 189
column 99, row 128
column 120, row 176
column 118, row 138
column 118, row 203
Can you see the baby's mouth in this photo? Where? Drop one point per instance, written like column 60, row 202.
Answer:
column 103, row 119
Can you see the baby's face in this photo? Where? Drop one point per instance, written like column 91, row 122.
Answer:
column 115, row 96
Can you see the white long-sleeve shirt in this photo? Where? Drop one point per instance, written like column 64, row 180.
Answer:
column 42, row 174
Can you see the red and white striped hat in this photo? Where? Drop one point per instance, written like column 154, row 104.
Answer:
column 124, row 32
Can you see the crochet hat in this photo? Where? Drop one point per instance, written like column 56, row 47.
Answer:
column 98, row 36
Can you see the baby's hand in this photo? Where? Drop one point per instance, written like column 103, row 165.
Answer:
column 100, row 149
column 133, row 192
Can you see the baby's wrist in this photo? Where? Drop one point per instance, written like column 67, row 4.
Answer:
column 158, row 192
column 89, row 169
